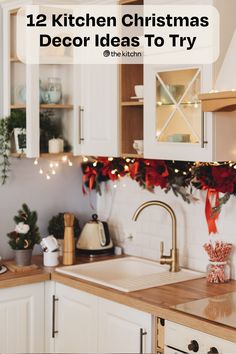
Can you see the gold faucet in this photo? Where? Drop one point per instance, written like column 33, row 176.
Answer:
column 173, row 258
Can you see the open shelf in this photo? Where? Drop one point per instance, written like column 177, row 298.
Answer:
column 18, row 106
column 128, row 155
column 15, row 60
column 45, row 106
column 224, row 101
column 131, row 103
column 44, row 155
column 56, row 106
column 56, row 156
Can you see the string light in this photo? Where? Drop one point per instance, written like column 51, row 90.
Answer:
column 48, row 177
column 127, row 160
column 176, row 170
column 70, row 164
column 95, row 164
column 64, row 158
column 56, row 164
column 41, row 171
column 51, row 165
column 53, row 172
column 126, row 168
column 110, row 159
column 36, row 162
column 113, row 172
column 85, row 159
column 115, row 186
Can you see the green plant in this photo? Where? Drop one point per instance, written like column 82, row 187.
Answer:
column 17, row 119
column 26, row 233
column 4, row 149
column 56, row 226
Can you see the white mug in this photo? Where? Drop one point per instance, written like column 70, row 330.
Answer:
column 138, row 89
column 51, row 259
column 138, row 146
column 49, row 244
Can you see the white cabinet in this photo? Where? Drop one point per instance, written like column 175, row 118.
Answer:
column 98, row 111
column 86, row 115
column 174, row 125
column 84, row 323
column 75, row 321
column 123, row 329
column 22, row 319
column 181, row 339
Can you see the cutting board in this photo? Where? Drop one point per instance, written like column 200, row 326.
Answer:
column 17, row 269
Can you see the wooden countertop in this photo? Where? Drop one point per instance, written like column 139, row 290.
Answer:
column 156, row 301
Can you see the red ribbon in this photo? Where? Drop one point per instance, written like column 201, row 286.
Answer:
column 211, row 216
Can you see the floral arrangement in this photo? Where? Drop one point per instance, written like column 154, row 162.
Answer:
column 26, row 233
column 177, row 176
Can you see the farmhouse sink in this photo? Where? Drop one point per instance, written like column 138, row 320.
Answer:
column 128, row 273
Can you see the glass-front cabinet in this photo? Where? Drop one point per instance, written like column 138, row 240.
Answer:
column 177, row 106
column 174, row 125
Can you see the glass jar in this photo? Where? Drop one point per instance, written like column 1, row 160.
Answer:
column 54, row 91
column 218, row 272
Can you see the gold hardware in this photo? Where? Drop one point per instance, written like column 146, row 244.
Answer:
column 173, row 258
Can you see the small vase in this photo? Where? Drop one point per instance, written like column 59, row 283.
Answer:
column 23, row 257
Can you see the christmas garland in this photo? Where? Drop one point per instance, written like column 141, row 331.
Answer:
column 179, row 177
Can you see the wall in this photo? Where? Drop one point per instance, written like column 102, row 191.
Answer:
column 117, row 205
column 62, row 193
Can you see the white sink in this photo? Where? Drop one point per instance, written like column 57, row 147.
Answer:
column 128, row 273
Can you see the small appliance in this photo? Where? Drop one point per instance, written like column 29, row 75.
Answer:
column 95, row 238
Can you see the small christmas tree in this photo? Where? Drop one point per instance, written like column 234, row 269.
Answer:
column 26, row 233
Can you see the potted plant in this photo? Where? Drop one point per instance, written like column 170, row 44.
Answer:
column 56, row 228
column 12, row 134
column 25, row 235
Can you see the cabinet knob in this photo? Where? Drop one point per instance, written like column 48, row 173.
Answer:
column 193, row 346
column 213, row 350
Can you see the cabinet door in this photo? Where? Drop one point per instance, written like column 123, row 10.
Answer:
column 98, row 116
column 174, row 127
column 22, row 319
column 75, row 321
column 122, row 329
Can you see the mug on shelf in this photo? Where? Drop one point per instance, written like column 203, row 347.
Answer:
column 138, row 89
column 138, row 146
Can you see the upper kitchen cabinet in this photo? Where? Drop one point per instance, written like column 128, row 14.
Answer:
column 76, row 103
column 97, row 120
column 175, row 124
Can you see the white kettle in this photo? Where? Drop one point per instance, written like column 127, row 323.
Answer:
column 95, row 238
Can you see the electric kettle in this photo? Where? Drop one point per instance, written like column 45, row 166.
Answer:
column 95, row 238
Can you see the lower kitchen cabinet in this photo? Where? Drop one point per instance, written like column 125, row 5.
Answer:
column 123, row 329
column 22, row 319
column 74, row 325
column 181, row 339
column 85, row 323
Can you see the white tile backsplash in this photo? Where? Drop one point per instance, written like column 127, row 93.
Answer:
column 117, row 206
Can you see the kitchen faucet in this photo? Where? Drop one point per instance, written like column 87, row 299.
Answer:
column 173, row 258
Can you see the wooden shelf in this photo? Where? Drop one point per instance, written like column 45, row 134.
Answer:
column 137, row 156
column 17, row 155
column 18, row 106
column 224, row 101
column 15, row 60
column 131, row 103
column 56, row 106
column 44, row 106
column 56, row 156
